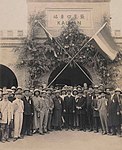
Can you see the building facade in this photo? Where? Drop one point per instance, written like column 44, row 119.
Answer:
column 90, row 15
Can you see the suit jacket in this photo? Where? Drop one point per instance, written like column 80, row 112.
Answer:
column 102, row 106
column 81, row 105
column 44, row 104
column 69, row 104
column 18, row 106
column 28, row 106
column 7, row 111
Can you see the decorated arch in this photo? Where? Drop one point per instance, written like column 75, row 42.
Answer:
column 72, row 47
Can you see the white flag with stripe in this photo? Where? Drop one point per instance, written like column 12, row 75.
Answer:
column 105, row 43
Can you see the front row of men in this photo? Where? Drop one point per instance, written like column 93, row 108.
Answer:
column 47, row 110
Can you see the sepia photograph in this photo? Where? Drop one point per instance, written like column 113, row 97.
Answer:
column 60, row 74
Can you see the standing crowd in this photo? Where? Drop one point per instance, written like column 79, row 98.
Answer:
column 24, row 112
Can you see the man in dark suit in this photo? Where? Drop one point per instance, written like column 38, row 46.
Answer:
column 28, row 113
column 69, row 110
column 89, row 98
column 114, row 113
column 81, row 110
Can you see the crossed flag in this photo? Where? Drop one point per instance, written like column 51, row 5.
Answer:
column 109, row 51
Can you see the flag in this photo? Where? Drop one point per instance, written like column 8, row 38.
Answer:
column 105, row 43
column 49, row 36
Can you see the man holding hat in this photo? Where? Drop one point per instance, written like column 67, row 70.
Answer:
column 7, row 116
column 28, row 113
column 81, row 110
column 18, row 109
column 69, row 109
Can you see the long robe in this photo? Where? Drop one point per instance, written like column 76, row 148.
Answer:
column 57, row 112
column 36, row 111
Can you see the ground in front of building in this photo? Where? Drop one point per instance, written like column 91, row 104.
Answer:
column 66, row 140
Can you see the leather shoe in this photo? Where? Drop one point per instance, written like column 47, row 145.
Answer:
column 15, row 139
column 41, row 133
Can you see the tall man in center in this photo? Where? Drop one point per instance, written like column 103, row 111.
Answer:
column 69, row 110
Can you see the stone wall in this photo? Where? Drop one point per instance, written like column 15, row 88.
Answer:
column 92, row 14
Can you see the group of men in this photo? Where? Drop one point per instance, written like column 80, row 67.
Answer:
column 26, row 112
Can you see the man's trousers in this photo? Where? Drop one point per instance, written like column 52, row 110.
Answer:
column 43, row 121
column 18, row 120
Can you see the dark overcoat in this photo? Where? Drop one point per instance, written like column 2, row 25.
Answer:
column 95, row 106
column 28, row 106
column 89, row 103
column 113, row 108
column 57, row 112
column 81, row 103
column 69, row 104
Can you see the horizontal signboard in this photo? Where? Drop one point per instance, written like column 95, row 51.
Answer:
column 56, row 18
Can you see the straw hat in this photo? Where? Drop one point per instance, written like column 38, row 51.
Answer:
column 19, row 87
column 117, row 90
column 26, row 89
column 5, row 93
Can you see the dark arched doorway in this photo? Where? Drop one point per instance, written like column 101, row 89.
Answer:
column 71, row 76
column 7, row 77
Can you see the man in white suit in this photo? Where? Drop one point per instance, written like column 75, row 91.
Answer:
column 18, row 109
column 7, row 117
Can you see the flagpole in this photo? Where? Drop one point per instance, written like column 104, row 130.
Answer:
column 68, row 63
column 36, row 21
column 75, row 62
column 100, row 28
column 67, row 53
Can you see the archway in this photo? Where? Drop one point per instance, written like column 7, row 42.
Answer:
column 7, row 77
column 71, row 76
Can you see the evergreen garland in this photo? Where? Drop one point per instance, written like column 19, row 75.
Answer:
column 39, row 58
